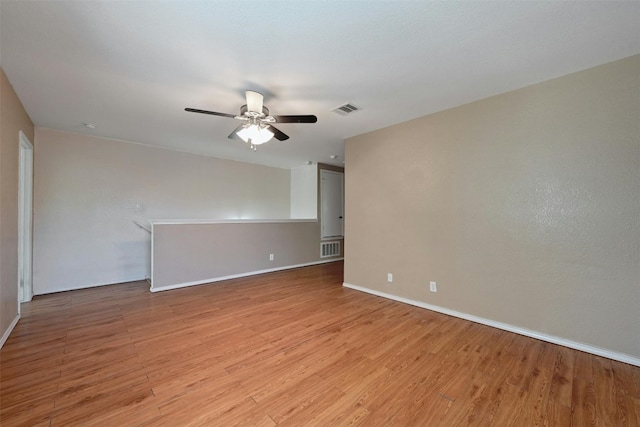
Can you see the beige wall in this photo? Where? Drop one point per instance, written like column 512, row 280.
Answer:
column 89, row 190
column 186, row 254
column 13, row 119
column 524, row 207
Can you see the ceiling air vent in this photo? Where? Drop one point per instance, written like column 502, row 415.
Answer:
column 346, row 109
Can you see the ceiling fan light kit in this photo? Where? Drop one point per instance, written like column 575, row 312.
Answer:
column 258, row 127
column 255, row 134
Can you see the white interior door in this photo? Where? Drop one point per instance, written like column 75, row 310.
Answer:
column 25, row 197
column 332, row 203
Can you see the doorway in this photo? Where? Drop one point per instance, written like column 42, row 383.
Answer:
column 25, row 215
column 332, row 203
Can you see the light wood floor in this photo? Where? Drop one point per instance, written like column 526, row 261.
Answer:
column 290, row 348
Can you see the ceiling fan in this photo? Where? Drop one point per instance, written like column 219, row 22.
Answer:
column 258, row 123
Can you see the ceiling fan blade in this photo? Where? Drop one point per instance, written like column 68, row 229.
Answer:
column 278, row 134
column 254, row 101
column 234, row 134
column 296, row 119
column 213, row 113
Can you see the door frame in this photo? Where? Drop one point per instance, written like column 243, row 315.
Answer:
column 25, row 219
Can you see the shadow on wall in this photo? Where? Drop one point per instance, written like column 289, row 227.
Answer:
column 133, row 255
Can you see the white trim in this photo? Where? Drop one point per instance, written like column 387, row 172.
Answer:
column 6, row 334
column 224, row 221
column 150, row 278
column 144, row 227
column 25, row 219
column 236, row 276
column 598, row 351
column 97, row 285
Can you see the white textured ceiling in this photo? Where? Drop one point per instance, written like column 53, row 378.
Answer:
column 132, row 67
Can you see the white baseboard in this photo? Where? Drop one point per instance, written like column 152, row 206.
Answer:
column 94, row 285
column 236, row 276
column 610, row 354
column 6, row 334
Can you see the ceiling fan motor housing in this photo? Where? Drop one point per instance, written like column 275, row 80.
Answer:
column 244, row 109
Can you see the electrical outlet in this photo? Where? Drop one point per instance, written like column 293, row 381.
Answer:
column 433, row 287
column 270, row 257
column 389, row 277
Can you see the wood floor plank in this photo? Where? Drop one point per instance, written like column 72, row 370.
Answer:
column 182, row 380
column 290, row 348
column 29, row 412
column 301, row 399
column 68, row 397
column 427, row 409
column 101, row 405
column 204, row 404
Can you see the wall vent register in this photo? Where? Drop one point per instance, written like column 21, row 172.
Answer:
column 328, row 249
